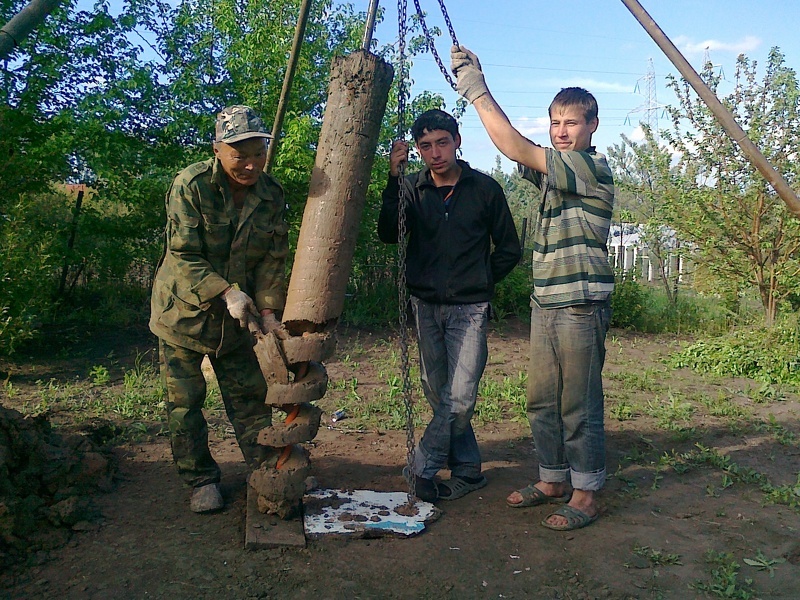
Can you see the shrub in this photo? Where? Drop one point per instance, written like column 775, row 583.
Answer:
column 628, row 303
column 27, row 268
column 512, row 296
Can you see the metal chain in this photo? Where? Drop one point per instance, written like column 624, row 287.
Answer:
column 402, row 230
column 429, row 39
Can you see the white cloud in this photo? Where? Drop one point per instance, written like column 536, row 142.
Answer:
column 593, row 85
column 532, row 127
column 744, row 45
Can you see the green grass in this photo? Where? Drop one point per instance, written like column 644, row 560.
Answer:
column 671, row 413
column 498, row 398
column 645, row 381
column 136, row 403
column 722, row 405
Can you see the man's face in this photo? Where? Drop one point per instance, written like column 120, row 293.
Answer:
column 438, row 150
column 242, row 161
column 569, row 129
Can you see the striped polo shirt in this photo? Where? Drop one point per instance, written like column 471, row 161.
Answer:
column 570, row 257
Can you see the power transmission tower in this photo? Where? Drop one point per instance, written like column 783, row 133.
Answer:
column 707, row 61
column 646, row 86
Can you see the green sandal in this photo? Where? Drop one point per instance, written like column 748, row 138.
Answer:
column 533, row 496
column 575, row 519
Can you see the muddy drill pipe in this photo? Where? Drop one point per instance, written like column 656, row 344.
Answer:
column 357, row 95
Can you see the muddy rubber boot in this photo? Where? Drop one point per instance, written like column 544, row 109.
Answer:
column 206, row 499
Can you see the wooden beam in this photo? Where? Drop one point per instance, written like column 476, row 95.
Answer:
column 270, row 531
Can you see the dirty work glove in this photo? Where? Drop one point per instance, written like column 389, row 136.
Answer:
column 469, row 77
column 270, row 323
column 240, row 305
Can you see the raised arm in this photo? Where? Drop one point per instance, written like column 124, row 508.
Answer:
column 472, row 85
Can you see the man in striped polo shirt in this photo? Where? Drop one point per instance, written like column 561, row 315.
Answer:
column 572, row 285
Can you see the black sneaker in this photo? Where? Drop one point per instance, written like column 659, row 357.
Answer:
column 426, row 489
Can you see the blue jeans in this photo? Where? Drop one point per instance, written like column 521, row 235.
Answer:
column 452, row 356
column 565, row 393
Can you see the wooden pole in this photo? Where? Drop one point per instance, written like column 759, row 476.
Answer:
column 25, row 21
column 288, row 78
column 724, row 117
column 73, row 232
column 357, row 95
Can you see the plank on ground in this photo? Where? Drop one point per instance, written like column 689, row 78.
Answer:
column 269, row 531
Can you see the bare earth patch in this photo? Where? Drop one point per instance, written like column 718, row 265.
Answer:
column 696, row 465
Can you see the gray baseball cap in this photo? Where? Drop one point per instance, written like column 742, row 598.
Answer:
column 237, row 123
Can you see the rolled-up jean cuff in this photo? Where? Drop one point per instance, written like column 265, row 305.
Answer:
column 549, row 475
column 588, row 482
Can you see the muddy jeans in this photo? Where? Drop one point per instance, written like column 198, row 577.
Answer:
column 243, row 392
column 565, row 393
column 453, row 353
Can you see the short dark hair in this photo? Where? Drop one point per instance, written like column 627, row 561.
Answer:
column 432, row 120
column 575, row 96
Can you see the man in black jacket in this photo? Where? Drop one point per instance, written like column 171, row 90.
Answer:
column 461, row 242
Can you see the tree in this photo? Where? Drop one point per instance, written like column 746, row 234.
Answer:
column 643, row 175
column 742, row 232
column 122, row 101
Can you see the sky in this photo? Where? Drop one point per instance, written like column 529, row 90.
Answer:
column 530, row 50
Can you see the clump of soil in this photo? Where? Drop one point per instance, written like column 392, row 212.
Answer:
column 46, row 483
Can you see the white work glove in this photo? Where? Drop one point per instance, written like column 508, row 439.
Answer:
column 469, row 77
column 240, row 305
column 270, row 323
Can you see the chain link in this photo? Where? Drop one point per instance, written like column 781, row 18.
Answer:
column 429, row 39
column 402, row 230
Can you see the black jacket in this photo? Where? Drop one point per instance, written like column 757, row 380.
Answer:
column 450, row 258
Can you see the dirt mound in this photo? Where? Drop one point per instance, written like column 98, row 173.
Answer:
column 46, row 483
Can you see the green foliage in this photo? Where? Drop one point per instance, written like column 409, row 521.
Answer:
column 497, row 397
column 27, row 264
column 99, row 375
column 512, row 296
column 788, row 495
column 649, row 309
column 627, row 303
column 767, row 354
column 762, row 563
column 723, row 213
column 657, row 558
column 724, row 582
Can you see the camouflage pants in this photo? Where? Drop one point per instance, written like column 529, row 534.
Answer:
column 243, row 391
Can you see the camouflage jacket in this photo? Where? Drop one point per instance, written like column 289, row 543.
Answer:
column 209, row 245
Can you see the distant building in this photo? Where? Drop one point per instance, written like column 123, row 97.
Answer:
column 628, row 253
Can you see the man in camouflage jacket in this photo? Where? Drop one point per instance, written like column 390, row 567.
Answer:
column 223, row 270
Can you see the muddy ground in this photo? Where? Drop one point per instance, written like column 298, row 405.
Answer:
column 659, row 528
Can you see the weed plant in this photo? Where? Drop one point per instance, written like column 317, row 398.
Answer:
column 497, row 398
column 732, row 473
column 724, row 582
column 767, row 354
